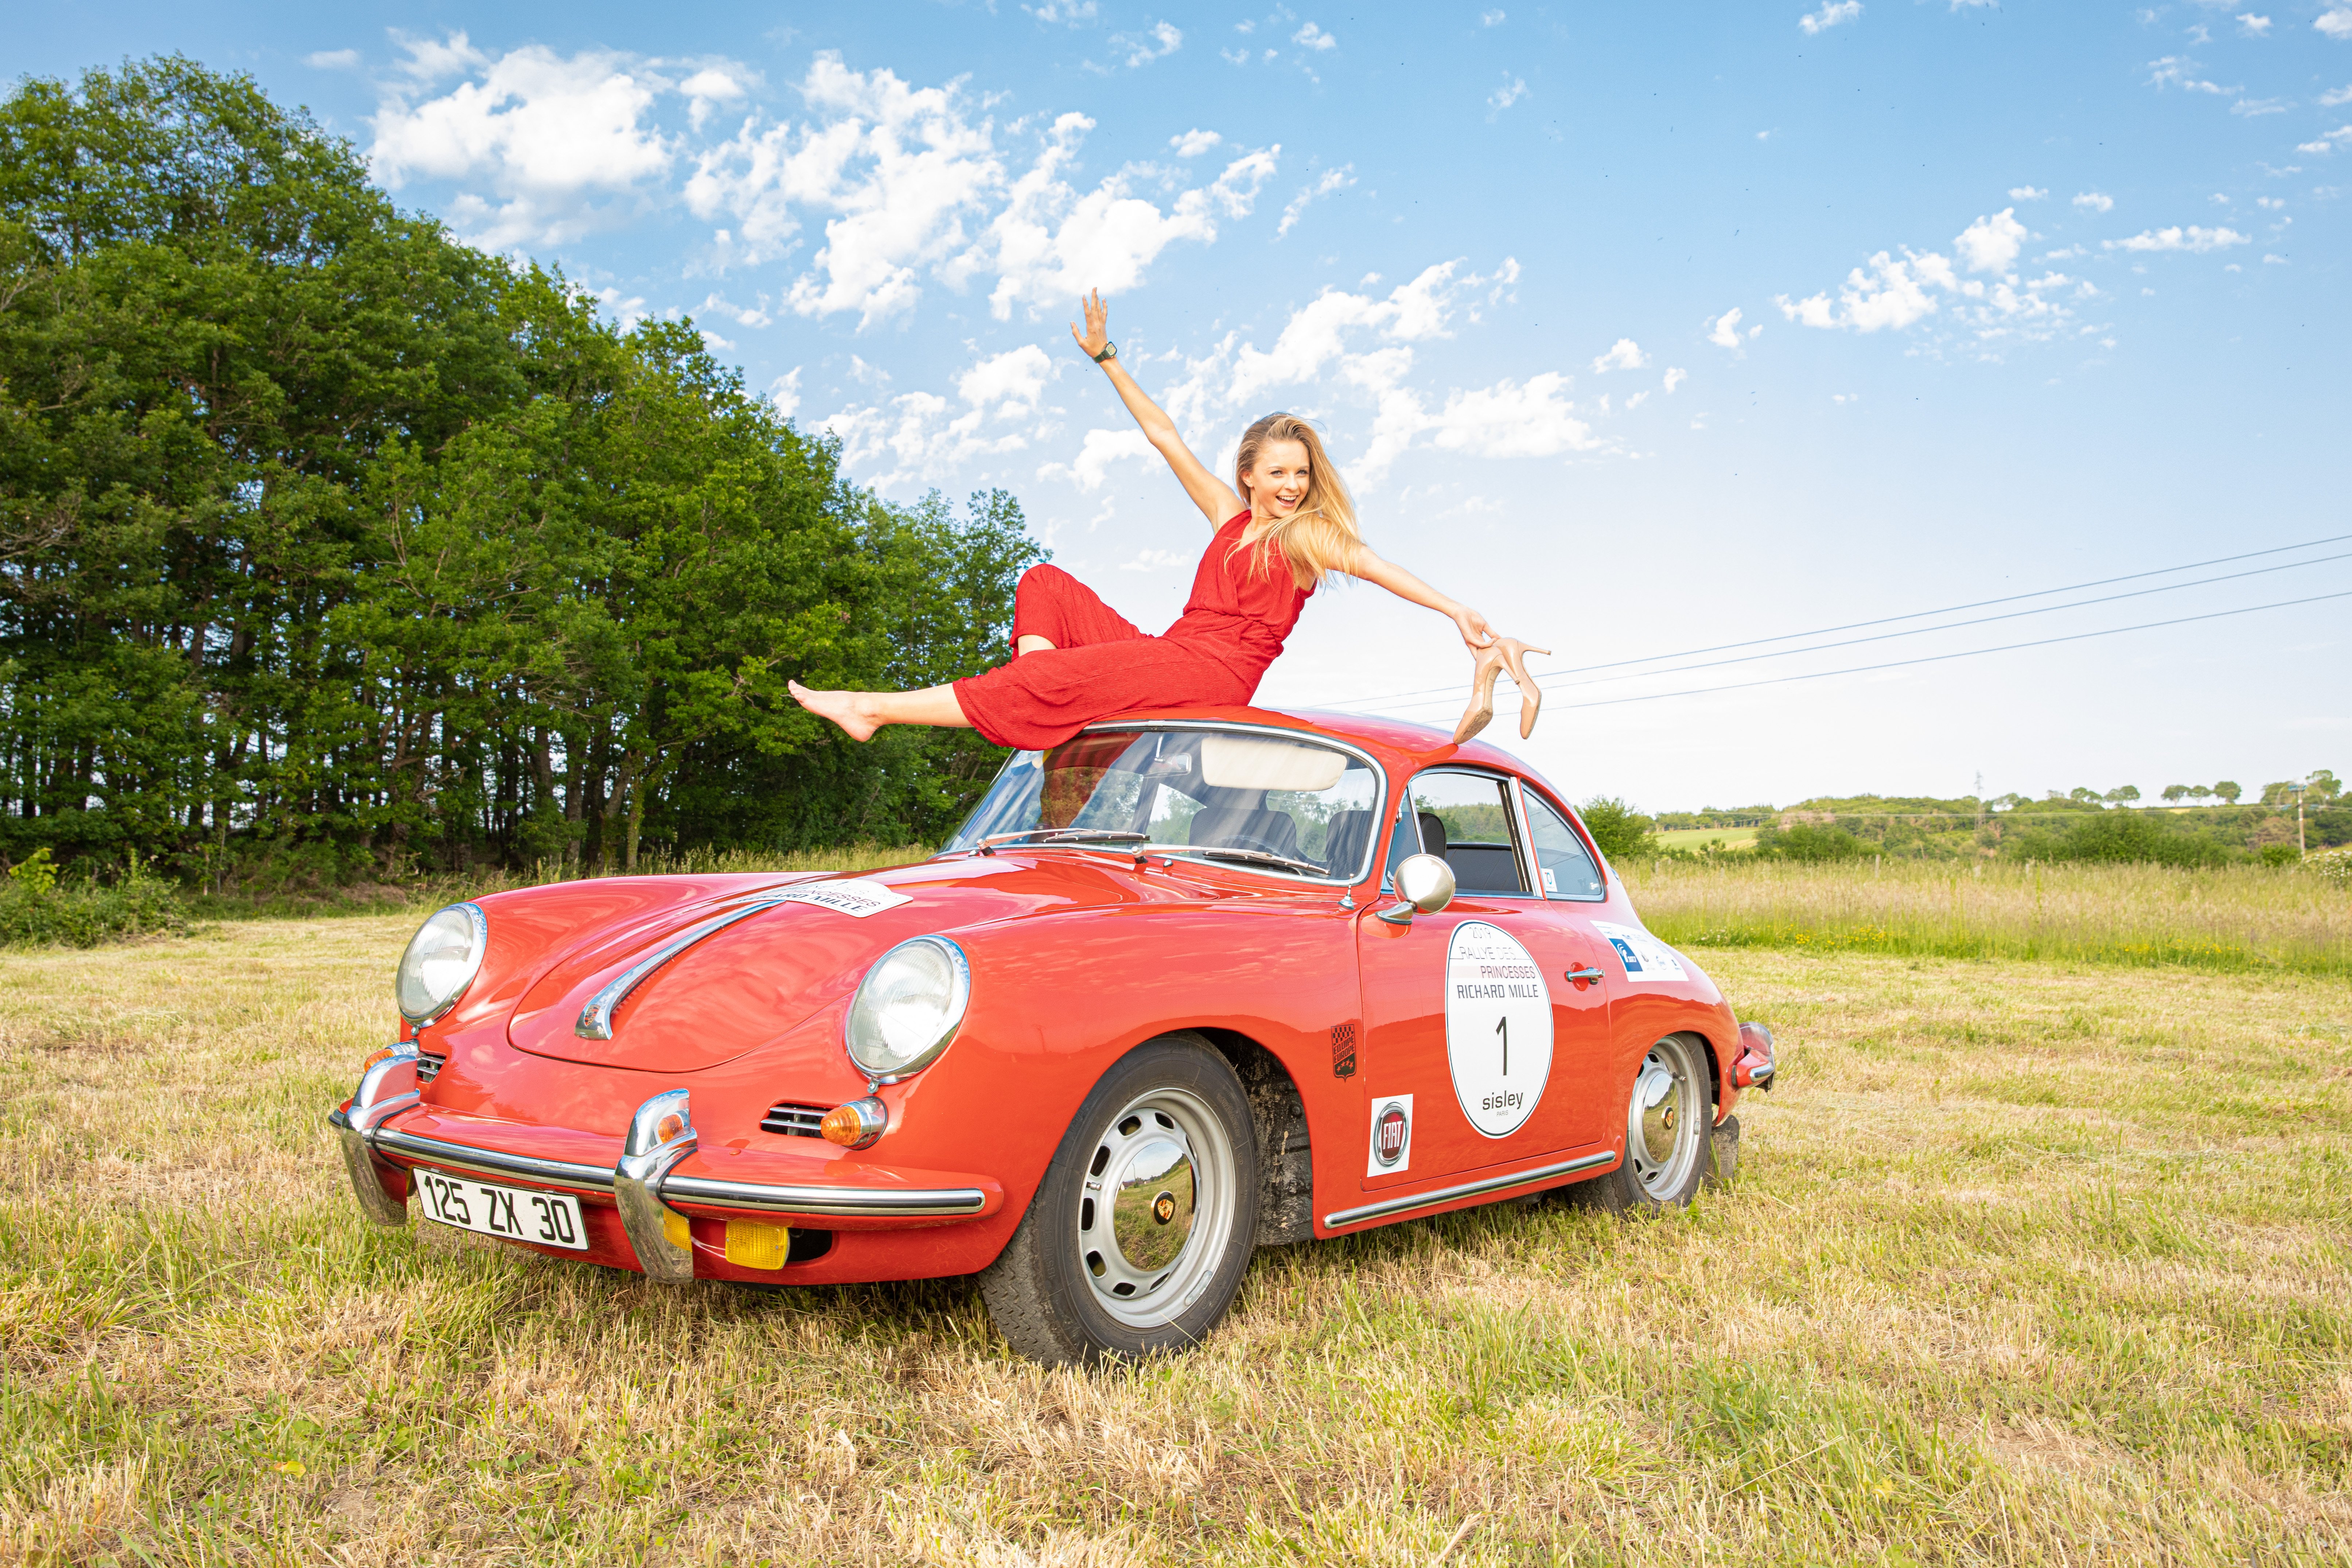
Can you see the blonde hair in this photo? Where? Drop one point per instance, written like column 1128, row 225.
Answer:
column 1321, row 536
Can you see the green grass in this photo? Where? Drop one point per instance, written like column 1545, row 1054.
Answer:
column 1697, row 837
column 2030, row 1262
column 2248, row 919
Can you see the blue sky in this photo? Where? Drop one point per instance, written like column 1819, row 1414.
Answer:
column 1643, row 329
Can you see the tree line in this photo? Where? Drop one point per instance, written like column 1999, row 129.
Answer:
column 326, row 542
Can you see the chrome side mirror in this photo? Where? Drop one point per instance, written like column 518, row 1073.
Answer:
column 1425, row 884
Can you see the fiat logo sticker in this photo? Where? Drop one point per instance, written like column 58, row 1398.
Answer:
column 1390, row 1134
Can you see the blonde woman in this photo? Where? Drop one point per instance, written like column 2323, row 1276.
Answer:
column 1284, row 525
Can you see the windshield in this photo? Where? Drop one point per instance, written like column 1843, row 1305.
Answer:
column 1288, row 805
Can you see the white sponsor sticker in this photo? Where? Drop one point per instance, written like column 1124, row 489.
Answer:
column 1643, row 955
column 1392, row 1147
column 855, row 897
column 1498, row 1027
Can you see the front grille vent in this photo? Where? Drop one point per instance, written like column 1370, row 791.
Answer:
column 428, row 1068
column 798, row 1120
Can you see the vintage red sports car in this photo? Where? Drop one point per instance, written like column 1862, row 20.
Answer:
column 1191, row 984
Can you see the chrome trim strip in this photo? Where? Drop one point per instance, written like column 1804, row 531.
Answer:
column 1191, row 726
column 492, row 1162
column 597, row 1018
column 866, row 1201
column 883, row 1203
column 1465, row 1190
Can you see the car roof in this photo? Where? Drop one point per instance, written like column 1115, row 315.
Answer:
column 1416, row 745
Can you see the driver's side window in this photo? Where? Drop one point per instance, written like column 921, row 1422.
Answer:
column 1465, row 820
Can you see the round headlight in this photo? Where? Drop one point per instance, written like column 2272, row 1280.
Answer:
column 442, row 959
column 908, row 1008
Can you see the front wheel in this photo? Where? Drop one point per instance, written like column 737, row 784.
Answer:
column 1668, row 1115
column 1137, row 1239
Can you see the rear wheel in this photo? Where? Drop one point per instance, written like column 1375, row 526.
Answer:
column 1668, row 1114
column 1137, row 1239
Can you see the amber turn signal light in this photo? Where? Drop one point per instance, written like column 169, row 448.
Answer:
column 857, row 1125
column 386, row 1053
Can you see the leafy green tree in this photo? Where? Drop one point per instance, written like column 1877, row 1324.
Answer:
column 1620, row 832
column 2122, row 794
column 2175, row 794
column 2229, row 791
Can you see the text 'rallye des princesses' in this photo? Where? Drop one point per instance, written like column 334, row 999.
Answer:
column 1188, row 984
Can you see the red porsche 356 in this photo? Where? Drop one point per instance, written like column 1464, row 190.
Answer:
column 1190, row 984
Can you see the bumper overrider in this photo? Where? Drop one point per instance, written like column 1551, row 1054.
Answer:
column 654, row 1197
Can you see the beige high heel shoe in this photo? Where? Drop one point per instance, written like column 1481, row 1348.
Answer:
column 1503, row 653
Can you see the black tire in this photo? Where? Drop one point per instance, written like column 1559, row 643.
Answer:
column 1169, row 1130
column 1668, row 1146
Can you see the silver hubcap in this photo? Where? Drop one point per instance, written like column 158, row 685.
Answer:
column 1157, row 1207
column 1666, row 1119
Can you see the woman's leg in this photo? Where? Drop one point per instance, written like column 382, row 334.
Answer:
column 860, row 713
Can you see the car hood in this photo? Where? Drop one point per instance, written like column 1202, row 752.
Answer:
column 755, row 980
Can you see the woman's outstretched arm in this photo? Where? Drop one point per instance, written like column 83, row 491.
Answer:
column 1212, row 495
column 1368, row 566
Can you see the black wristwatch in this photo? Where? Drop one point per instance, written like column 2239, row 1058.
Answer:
column 1110, row 351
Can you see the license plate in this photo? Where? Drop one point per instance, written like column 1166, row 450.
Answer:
column 512, row 1214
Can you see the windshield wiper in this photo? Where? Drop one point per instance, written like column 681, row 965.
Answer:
column 1254, row 858
column 1062, row 835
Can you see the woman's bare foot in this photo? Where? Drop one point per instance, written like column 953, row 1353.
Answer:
column 854, row 711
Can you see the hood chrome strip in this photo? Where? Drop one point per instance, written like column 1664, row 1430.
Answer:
column 597, row 1018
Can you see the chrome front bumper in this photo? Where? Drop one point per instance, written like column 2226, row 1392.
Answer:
column 644, row 1183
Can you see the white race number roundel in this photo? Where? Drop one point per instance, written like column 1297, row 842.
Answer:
column 1498, row 1027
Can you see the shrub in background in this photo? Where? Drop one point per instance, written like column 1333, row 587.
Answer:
column 1621, row 833
column 34, row 912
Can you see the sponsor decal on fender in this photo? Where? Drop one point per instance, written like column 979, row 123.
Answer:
column 855, row 897
column 1391, row 1141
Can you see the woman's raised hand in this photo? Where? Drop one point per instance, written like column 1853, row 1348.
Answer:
column 1476, row 633
column 1097, row 336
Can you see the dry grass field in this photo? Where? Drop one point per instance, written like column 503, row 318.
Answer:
column 2028, row 1262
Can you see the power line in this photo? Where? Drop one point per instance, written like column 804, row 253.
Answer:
column 1884, row 620
column 1916, row 631
column 1965, row 653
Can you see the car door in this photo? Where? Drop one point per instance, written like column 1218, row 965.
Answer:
column 1469, row 1012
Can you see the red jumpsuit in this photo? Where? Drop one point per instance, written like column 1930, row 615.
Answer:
column 1100, row 663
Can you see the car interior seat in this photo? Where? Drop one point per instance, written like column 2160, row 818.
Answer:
column 1343, row 840
column 1246, row 828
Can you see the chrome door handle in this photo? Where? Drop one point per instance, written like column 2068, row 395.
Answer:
column 1587, row 974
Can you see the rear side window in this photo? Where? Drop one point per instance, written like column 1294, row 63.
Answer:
column 1561, row 859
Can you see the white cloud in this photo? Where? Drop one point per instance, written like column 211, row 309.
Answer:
column 2027, row 194
column 2094, row 201
column 2328, row 143
column 2336, row 95
column 914, row 182
column 707, row 88
column 1513, row 89
column 1192, row 143
column 1155, row 561
column 1051, row 242
column 1623, row 354
column 2336, row 24
column 784, row 391
column 1314, row 37
column 1831, row 13
column 548, row 135
column 331, row 60
column 1163, row 41
column 1991, row 243
column 1673, row 378
column 1068, row 12
column 1490, row 18
column 2192, row 238
column 1337, row 179
column 743, row 315
column 1097, row 453
column 1008, row 384
column 2173, row 70
column 1724, row 330
column 2253, row 26
column 2251, row 107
